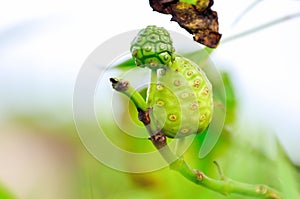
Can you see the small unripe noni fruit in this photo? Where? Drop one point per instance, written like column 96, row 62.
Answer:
column 182, row 103
column 152, row 48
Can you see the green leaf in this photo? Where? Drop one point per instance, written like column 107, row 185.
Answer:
column 193, row 2
column 198, row 56
column 126, row 65
column 231, row 101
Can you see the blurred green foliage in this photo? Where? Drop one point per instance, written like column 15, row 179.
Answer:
column 247, row 153
column 5, row 193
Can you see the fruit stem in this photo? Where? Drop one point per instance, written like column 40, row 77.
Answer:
column 125, row 88
column 152, row 87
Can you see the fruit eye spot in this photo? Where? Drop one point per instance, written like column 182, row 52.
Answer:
column 205, row 91
column 184, row 130
column 177, row 83
column 153, row 37
column 140, row 40
column 172, row 117
column 148, row 48
column 197, row 83
column 189, row 73
column 159, row 87
column 166, row 57
column 160, row 103
column 138, row 62
column 165, row 39
column 184, row 95
column 135, row 52
column 202, row 117
column 162, row 47
column 194, row 106
column 153, row 64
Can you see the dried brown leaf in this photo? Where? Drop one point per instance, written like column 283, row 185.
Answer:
column 198, row 20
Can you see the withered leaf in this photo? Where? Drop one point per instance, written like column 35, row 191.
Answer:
column 198, row 19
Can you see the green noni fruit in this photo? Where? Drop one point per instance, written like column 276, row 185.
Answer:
column 181, row 100
column 152, row 48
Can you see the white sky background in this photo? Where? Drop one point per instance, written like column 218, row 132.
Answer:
column 43, row 44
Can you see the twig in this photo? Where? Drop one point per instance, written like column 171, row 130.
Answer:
column 125, row 88
column 261, row 27
column 250, row 7
column 225, row 185
column 220, row 171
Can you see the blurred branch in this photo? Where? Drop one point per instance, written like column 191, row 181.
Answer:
column 225, row 185
column 128, row 64
column 261, row 27
column 250, row 7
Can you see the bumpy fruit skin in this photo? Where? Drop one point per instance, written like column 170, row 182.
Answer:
column 152, row 48
column 183, row 102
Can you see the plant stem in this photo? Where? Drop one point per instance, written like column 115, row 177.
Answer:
column 225, row 185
